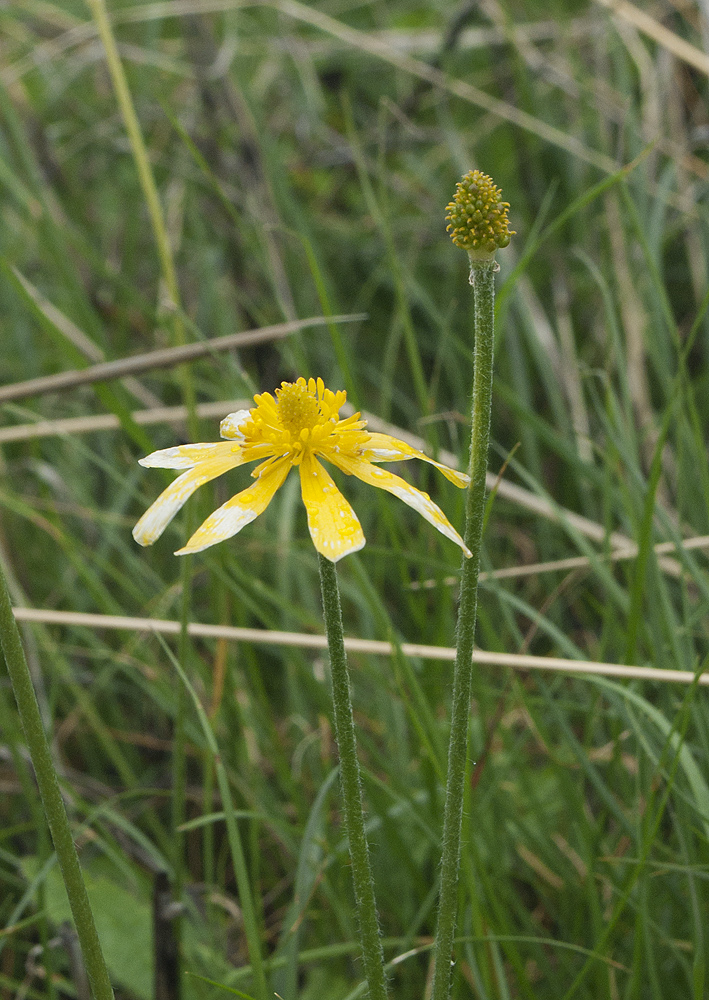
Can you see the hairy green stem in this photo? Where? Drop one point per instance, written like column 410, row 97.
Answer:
column 52, row 798
column 370, row 938
column 482, row 280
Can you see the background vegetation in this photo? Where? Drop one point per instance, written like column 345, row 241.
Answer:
column 303, row 157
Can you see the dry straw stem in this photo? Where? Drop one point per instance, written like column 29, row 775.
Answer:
column 659, row 33
column 371, row 647
column 164, row 358
column 572, row 563
column 93, row 422
column 77, row 337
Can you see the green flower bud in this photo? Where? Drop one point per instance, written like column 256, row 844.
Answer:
column 477, row 217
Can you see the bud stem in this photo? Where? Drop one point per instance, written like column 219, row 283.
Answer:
column 482, row 280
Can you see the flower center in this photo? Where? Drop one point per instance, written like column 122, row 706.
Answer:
column 298, row 408
column 303, row 419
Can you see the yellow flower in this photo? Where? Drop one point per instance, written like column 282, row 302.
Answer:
column 294, row 429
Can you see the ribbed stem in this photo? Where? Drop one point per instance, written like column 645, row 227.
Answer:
column 52, row 798
column 482, row 280
column 370, row 938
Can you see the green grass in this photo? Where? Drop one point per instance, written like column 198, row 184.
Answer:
column 303, row 171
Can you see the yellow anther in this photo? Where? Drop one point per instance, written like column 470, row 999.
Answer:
column 298, row 407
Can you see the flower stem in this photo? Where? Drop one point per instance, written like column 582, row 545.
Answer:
column 370, row 938
column 482, row 280
column 52, row 798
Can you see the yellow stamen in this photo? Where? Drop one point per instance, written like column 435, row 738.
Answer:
column 298, row 408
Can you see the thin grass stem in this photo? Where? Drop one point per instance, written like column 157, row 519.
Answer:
column 150, row 193
column 246, row 899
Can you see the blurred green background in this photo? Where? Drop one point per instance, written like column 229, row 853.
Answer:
column 303, row 156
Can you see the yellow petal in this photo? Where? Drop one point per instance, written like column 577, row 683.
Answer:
column 185, row 456
column 233, row 423
column 417, row 499
column 158, row 516
column 243, row 508
column 383, row 448
column 333, row 524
